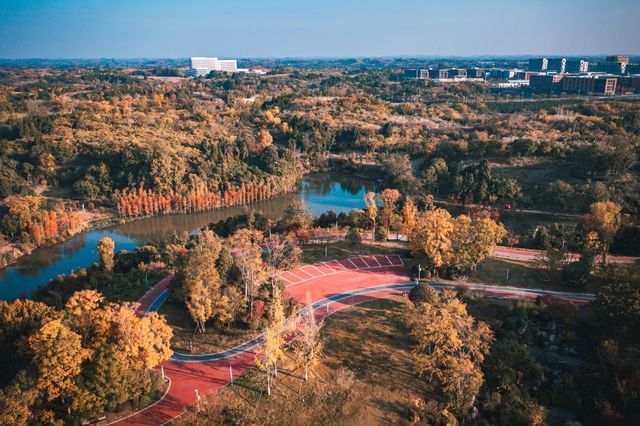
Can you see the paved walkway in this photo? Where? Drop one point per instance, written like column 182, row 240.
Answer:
column 532, row 255
column 331, row 286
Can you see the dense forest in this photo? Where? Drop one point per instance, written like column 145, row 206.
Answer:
column 81, row 143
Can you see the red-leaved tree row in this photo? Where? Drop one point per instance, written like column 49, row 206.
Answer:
column 49, row 226
column 144, row 202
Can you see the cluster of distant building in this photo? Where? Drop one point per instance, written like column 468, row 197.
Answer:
column 549, row 75
column 200, row 66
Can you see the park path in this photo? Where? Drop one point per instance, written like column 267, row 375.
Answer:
column 331, row 286
column 530, row 255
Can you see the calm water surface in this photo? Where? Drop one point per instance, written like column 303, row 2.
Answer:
column 320, row 192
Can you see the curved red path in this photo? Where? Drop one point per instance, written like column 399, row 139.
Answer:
column 320, row 281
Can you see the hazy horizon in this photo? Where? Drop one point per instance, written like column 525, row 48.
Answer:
column 91, row 29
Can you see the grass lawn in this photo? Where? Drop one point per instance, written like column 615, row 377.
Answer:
column 213, row 340
column 365, row 377
column 341, row 250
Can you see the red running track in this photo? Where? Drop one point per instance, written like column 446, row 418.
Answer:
column 319, row 281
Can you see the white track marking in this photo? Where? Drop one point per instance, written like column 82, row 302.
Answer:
column 365, row 262
column 322, row 274
column 349, row 259
column 334, row 269
column 297, row 276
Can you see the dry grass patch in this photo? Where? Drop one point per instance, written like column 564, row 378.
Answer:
column 215, row 339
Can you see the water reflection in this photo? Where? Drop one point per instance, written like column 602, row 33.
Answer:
column 321, row 192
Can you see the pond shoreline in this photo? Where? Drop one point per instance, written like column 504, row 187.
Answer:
column 321, row 191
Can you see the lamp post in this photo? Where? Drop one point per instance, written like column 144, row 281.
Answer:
column 419, row 271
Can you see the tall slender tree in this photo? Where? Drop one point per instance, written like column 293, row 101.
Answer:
column 105, row 248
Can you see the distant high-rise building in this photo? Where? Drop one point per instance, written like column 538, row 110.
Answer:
column 201, row 66
column 624, row 59
column 629, row 84
column 456, row 73
column 557, row 64
column 633, row 69
column 617, row 68
column 576, row 66
column 587, row 84
column 538, row 64
column 502, row 74
column 228, row 65
column 439, row 73
column 475, row 73
column 546, row 83
column 416, row 73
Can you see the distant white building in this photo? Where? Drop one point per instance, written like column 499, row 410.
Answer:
column 201, row 66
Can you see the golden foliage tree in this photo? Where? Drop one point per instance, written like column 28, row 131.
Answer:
column 86, row 316
column 202, row 284
column 473, row 240
column 409, row 214
column 431, row 237
column 389, row 200
column 145, row 342
column 605, row 219
column 248, row 260
column 371, row 207
column 105, row 248
column 57, row 355
column 271, row 350
column 450, row 349
column 307, row 345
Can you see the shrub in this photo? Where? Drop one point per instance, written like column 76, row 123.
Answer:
column 381, row 233
column 423, row 293
column 353, row 237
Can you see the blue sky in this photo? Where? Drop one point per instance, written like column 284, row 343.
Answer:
column 279, row 28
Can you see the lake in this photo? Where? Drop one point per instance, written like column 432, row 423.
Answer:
column 320, row 192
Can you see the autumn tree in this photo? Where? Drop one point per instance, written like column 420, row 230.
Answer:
column 409, row 214
column 263, row 140
column 353, row 237
column 47, row 166
column 202, row 285
column 57, row 355
column 252, row 270
column 145, row 342
column 231, row 305
column 295, row 216
column 307, row 345
column 473, row 240
column 271, row 350
column 431, row 237
column 105, row 248
column 283, row 252
column 450, row 349
column 605, row 219
column 371, row 208
column 86, row 317
column 21, row 212
column 19, row 320
column 389, row 200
